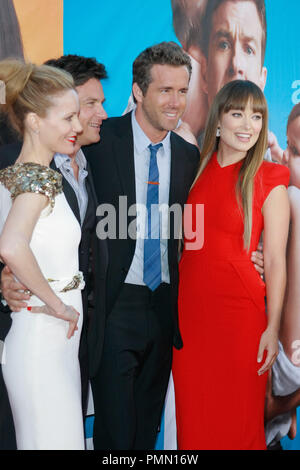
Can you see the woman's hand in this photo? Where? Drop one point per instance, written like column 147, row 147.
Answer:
column 67, row 313
column 269, row 342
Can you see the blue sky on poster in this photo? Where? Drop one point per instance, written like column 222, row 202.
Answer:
column 116, row 31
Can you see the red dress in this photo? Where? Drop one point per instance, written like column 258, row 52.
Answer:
column 219, row 395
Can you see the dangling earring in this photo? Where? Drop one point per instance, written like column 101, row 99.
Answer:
column 218, row 133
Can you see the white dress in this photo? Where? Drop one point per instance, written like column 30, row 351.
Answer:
column 40, row 365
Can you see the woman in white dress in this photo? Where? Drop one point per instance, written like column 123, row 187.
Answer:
column 39, row 242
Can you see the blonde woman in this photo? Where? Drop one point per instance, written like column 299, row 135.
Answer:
column 39, row 243
column 229, row 340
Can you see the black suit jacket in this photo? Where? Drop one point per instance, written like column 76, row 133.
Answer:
column 112, row 164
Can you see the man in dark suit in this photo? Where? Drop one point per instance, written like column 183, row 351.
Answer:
column 140, row 161
column 79, row 191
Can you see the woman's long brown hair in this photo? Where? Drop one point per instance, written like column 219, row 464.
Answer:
column 236, row 95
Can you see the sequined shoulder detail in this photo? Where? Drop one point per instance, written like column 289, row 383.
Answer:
column 32, row 178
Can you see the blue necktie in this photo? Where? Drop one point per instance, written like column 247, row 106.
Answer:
column 152, row 260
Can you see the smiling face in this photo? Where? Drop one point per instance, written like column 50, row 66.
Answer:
column 58, row 130
column 159, row 110
column 235, row 47
column 293, row 151
column 239, row 129
column 92, row 113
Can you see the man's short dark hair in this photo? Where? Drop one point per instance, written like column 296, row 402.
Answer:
column 205, row 26
column 165, row 53
column 81, row 68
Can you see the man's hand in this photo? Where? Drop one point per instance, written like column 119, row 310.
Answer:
column 257, row 259
column 13, row 291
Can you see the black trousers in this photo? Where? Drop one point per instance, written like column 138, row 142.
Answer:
column 130, row 387
column 7, row 429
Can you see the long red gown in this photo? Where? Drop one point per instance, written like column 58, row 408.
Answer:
column 218, row 393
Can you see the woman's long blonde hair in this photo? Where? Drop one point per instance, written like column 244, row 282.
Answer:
column 236, row 95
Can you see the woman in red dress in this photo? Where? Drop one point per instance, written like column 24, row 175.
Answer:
column 229, row 340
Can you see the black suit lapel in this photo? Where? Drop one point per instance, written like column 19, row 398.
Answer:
column 177, row 188
column 90, row 181
column 177, row 170
column 124, row 155
column 69, row 193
